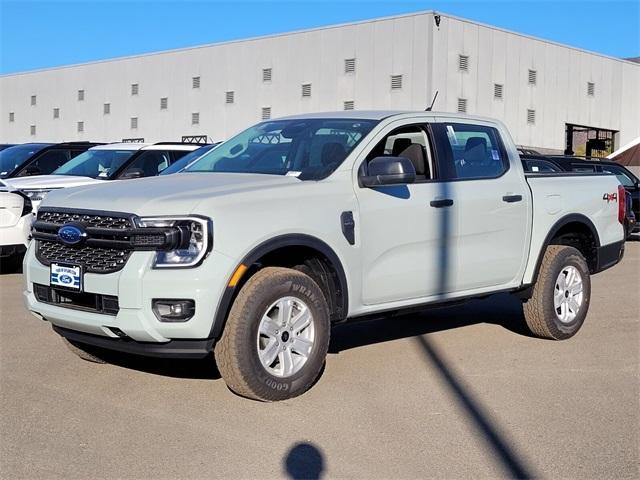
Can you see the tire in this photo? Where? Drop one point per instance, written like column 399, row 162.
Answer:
column 238, row 352
column 85, row 352
column 543, row 317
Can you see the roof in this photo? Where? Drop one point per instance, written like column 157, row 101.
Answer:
column 628, row 154
column 382, row 114
column 121, row 146
column 174, row 147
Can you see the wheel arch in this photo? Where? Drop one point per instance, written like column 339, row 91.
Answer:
column 289, row 250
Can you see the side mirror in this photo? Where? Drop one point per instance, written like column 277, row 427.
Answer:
column 389, row 171
column 133, row 173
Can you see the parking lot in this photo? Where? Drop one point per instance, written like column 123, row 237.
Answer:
column 450, row 393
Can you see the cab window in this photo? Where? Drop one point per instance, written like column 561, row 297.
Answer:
column 477, row 151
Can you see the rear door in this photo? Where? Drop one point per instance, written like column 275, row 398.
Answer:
column 492, row 205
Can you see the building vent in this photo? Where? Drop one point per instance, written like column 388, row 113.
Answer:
column 195, row 118
column 266, row 74
column 396, row 82
column 591, row 89
column 349, row 105
column 349, row 65
column 80, row 126
column 531, row 116
column 106, row 109
column 33, row 100
column 463, row 63
column 56, row 113
column 81, row 95
column 134, row 122
column 164, row 103
column 229, row 97
column 32, row 129
column 533, row 77
column 497, row 90
column 266, row 113
column 306, row 89
column 195, row 82
column 12, row 116
column 462, row 105
column 135, row 88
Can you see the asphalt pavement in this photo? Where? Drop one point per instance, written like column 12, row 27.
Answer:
column 453, row 392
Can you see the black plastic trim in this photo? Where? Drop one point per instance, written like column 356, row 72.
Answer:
column 609, row 255
column 299, row 240
column 178, row 348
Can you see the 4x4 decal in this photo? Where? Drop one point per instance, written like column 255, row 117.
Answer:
column 610, row 197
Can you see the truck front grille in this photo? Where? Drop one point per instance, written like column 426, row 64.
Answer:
column 108, row 257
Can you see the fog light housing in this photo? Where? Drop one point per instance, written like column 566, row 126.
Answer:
column 169, row 310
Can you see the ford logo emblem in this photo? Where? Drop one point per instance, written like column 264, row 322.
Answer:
column 71, row 234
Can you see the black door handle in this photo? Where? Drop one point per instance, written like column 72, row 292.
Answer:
column 512, row 198
column 444, row 202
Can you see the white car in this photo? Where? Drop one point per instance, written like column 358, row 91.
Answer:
column 114, row 161
column 295, row 224
column 15, row 224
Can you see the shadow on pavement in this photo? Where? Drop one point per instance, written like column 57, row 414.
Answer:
column 502, row 309
column 480, row 419
column 304, row 461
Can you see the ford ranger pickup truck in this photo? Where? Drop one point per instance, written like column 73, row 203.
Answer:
column 256, row 249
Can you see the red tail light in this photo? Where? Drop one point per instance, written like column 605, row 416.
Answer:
column 622, row 204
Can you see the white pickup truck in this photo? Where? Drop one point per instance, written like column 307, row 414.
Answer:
column 295, row 224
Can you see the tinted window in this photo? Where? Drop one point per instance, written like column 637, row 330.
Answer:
column 95, row 163
column 623, row 177
column 11, row 158
column 477, row 151
column 537, row 166
column 583, row 168
column 46, row 163
column 149, row 163
column 309, row 149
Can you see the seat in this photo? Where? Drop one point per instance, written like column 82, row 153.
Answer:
column 403, row 147
column 332, row 152
column 476, row 161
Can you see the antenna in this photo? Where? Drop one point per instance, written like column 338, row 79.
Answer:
column 428, row 109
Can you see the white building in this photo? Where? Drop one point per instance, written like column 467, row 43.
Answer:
column 536, row 87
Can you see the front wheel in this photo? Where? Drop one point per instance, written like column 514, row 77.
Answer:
column 561, row 295
column 277, row 335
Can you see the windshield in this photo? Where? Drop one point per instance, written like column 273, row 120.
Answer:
column 186, row 160
column 95, row 163
column 309, row 149
column 11, row 158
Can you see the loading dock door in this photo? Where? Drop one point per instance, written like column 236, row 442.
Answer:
column 589, row 141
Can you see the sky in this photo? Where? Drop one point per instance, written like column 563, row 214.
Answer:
column 49, row 33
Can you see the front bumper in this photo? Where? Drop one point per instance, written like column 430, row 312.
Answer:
column 16, row 237
column 135, row 286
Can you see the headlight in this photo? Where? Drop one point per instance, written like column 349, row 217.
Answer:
column 196, row 240
column 37, row 194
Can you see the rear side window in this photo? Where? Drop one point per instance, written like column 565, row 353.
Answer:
column 477, row 151
column 538, row 166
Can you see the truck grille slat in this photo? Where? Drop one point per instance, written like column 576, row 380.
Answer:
column 92, row 258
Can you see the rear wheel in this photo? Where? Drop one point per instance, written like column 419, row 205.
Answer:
column 83, row 351
column 277, row 335
column 561, row 295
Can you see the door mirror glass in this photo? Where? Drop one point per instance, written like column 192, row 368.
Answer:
column 388, row 171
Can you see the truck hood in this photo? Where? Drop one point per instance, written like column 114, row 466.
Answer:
column 177, row 194
column 49, row 182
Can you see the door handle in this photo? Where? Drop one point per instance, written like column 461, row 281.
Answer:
column 512, row 198
column 443, row 202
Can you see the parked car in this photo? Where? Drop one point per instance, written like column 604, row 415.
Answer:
column 257, row 248
column 15, row 225
column 188, row 159
column 631, row 183
column 527, row 151
column 38, row 158
column 114, row 161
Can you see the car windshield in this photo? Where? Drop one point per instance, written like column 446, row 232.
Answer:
column 309, row 149
column 186, row 160
column 95, row 163
column 11, row 158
